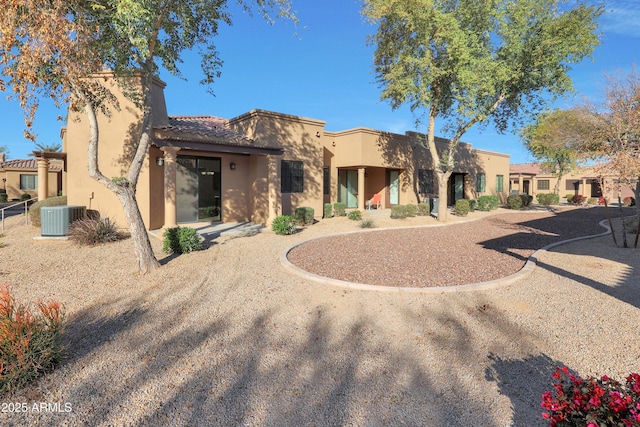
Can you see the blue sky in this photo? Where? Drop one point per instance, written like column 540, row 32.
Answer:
column 323, row 70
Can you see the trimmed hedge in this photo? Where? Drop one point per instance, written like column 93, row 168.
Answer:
column 34, row 210
column 462, row 207
column 284, row 225
column 488, row 203
column 304, row 215
column 180, row 240
column 339, row 209
column 526, row 199
column 423, row 209
column 355, row 215
column 327, row 211
column 398, row 212
column 514, row 202
column 548, row 199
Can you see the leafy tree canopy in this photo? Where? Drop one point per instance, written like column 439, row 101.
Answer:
column 466, row 60
column 471, row 62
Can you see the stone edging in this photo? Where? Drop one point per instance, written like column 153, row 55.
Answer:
column 491, row 284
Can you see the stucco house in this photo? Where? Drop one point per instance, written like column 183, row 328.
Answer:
column 530, row 178
column 20, row 176
column 259, row 165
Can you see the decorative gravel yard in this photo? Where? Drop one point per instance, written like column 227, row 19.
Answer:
column 463, row 253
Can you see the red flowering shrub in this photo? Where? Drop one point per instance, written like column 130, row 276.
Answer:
column 592, row 402
column 578, row 199
column 29, row 343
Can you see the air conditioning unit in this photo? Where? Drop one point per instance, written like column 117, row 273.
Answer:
column 55, row 220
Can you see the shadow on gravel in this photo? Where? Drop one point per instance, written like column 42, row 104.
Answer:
column 619, row 265
column 538, row 233
column 88, row 330
column 525, row 395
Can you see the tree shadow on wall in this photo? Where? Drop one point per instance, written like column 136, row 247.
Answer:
column 300, row 141
column 410, row 154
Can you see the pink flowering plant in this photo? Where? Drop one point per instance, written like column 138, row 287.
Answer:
column 592, row 402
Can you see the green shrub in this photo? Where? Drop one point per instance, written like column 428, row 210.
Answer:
column 423, row 209
column 328, row 210
column 411, row 210
column 181, row 240
column 89, row 231
column 355, row 215
column 568, row 197
column 488, row 203
column 34, row 210
column 526, row 199
column 398, row 212
column 548, row 199
column 24, row 197
column 3, row 198
column 514, row 202
column 284, row 225
column 366, row 223
column 461, row 207
column 30, row 343
column 473, row 205
column 339, row 209
column 304, row 215
column 592, row 201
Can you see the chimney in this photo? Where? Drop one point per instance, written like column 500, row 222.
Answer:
column 159, row 116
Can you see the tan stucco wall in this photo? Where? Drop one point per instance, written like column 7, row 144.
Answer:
column 118, row 136
column 301, row 139
column 251, row 192
column 585, row 177
column 13, row 183
column 380, row 152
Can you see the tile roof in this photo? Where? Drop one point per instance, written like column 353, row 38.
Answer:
column 209, row 128
column 27, row 164
column 526, row 168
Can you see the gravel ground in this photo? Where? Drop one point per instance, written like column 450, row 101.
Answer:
column 225, row 337
column 472, row 252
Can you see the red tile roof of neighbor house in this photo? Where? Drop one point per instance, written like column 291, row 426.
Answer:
column 210, row 128
column 525, row 168
column 27, row 164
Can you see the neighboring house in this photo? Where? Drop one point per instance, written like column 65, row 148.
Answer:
column 259, row 165
column 529, row 178
column 18, row 177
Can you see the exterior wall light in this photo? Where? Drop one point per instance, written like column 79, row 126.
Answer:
column 160, row 161
column 232, row 166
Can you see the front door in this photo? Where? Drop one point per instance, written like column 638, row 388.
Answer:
column 394, row 196
column 198, row 189
column 458, row 187
column 348, row 190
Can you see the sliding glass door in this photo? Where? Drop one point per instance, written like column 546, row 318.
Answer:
column 199, row 189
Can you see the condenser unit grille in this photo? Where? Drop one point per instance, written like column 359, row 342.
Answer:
column 55, row 220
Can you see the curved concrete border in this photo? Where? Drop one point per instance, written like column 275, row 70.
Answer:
column 491, row 284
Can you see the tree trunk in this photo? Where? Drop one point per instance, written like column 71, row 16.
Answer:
column 142, row 246
column 443, row 190
column 125, row 189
